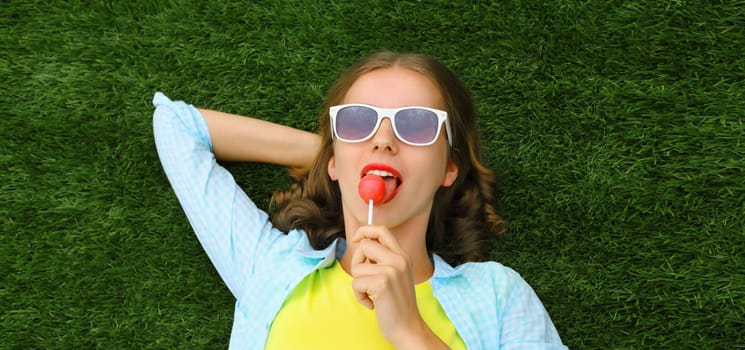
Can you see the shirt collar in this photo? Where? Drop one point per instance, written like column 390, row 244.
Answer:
column 327, row 255
column 443, row 269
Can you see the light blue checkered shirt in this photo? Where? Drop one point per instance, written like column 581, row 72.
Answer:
column 491, row 306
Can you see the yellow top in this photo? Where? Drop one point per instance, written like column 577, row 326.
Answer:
column 322, row 313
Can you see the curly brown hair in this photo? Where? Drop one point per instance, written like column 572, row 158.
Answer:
column 463, row 223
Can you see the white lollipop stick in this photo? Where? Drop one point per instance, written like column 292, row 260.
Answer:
column 372, row 189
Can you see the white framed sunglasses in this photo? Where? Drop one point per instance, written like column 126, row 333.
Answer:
column 413, row 125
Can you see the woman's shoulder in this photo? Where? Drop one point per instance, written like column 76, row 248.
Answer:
column 491, row 271
column 476, row 271
column 481, row 278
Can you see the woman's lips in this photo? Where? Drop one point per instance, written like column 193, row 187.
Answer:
column 390, row 175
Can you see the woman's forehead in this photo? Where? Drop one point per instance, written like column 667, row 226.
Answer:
column 395, row 87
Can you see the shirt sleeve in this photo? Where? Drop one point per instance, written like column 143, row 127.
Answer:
column 229, row 226
column 525, row 322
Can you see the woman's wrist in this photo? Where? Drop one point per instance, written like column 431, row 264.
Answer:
column 420, row 337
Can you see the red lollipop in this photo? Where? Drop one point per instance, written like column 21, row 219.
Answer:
column 372, row 190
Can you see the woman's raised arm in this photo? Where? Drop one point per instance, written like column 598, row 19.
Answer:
column 244, row 139
column 234, row 232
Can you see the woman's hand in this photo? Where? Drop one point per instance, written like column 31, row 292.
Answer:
column 383, row 281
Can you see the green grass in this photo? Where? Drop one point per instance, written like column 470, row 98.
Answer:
column 617, row 127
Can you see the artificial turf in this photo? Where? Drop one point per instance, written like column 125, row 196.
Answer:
column 617, row 129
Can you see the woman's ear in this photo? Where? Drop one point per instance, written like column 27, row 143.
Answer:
column 451, row 173
column 331, row 168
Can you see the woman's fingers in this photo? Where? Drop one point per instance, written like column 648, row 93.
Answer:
column 379, row 266
column 365, row 270
column 373, row 251
column 375, row 283
column 364, row 291
column 380, row 234
column 382, row 280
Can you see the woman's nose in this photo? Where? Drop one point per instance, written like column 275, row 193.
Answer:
column 385, row 138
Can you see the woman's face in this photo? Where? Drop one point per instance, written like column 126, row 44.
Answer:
column 421, row 170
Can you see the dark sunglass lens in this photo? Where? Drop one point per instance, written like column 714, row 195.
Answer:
column 417, row 125
column 355, row 122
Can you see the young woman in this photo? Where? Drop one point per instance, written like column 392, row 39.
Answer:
column 318, row 275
